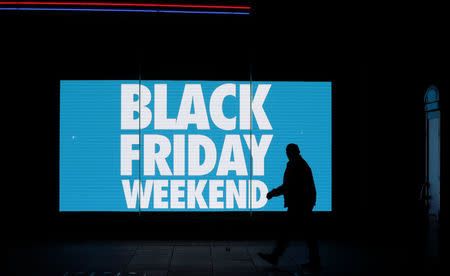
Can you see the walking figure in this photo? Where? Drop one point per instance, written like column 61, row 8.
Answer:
column 299, row 194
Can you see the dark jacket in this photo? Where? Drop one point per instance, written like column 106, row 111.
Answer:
column 298, row 186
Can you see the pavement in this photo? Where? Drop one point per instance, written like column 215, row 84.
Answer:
column 201, row 258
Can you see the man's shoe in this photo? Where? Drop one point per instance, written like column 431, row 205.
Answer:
column 269, row 258
column 312, row 266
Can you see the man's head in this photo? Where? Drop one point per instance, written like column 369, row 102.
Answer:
column 292, row 151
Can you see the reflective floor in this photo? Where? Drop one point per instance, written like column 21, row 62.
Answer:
column 203, row 258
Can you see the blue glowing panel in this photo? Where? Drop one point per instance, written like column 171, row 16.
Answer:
column 189, row 145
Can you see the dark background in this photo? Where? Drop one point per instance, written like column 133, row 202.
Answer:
column 381, row 58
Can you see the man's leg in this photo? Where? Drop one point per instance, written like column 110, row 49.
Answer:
column 279, row 249
column 313, row 249
column 311, row 242
column 280, row 246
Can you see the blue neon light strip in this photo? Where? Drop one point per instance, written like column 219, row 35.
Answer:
column 125, row 10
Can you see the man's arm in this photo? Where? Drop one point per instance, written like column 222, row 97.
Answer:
column 276, row 192
column 281, row 189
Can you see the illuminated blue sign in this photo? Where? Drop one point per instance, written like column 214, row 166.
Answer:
column 189, row 145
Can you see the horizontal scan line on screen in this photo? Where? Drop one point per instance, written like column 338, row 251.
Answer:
column 189, row 145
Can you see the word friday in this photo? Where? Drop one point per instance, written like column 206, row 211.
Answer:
column 192, row 155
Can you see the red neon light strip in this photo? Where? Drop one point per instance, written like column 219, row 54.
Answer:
column 128, row 4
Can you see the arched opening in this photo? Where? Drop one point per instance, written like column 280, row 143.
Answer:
column 431, row 191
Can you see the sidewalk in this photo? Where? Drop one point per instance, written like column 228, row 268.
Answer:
column 215, row 258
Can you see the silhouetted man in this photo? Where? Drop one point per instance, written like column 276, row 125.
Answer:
column 299, row 194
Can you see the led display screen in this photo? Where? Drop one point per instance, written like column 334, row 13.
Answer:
column 189, row 145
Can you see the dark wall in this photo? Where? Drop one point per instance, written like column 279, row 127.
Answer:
column 380, row 64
